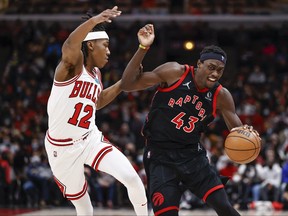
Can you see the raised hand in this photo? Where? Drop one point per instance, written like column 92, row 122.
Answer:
column 107, row 15
column 146, row 35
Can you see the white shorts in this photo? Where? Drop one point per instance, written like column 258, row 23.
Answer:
column 67, row 161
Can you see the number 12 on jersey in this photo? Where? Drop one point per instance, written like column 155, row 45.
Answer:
column 84, row 122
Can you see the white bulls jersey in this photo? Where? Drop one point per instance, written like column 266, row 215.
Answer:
column 72, row 105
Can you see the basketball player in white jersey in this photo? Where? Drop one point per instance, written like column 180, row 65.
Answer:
column 73, row 138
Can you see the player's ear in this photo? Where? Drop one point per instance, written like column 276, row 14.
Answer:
column 199, row 63
column 90, row 45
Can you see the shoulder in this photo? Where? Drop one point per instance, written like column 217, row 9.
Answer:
column 224, row 98
column 174, row 66
column 170, row 68
column 224, row 93
column 170, row 71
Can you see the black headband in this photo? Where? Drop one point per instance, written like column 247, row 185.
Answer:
column 212, row 55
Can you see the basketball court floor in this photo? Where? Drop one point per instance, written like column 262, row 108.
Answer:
column 129, row 212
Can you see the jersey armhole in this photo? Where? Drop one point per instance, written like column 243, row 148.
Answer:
column 215, row 99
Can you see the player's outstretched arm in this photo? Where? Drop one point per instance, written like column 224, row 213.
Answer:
column 72, row 57
column 74, row 41
column 133, row 71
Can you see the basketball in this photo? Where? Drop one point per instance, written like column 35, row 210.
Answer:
column 242, row 146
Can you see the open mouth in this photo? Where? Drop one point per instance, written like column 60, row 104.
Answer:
column 212, row 79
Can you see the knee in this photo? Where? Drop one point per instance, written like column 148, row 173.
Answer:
column 132, row 179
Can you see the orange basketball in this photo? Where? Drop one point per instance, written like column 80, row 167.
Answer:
column 242, row 146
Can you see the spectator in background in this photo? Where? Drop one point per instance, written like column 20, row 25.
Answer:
column 271, row 175
column 250, row 182
column 106, row 183
column 257, row 76
column 5, row 178
column 40, row 187
column 284, row 184
column 124, row 136
column 102, row 187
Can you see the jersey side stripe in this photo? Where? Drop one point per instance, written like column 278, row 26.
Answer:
column 100, row 156
column 78, row 195
column 215, row 99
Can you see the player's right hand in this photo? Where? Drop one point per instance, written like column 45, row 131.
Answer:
column 146, row 35
column 107, row 15
column 246, row 127
column 243, row 127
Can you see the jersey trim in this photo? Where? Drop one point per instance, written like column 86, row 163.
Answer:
column 211, row 191
column 68, row 82
column 175, row 85
column 100, row 156
column 215, row 100
column 91, row 73
column 169, row 208
column 77, row 195
column 65, row 142
column 58, row 142
column 198, row 89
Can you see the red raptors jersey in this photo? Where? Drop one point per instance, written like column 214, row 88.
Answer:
column 72, row 105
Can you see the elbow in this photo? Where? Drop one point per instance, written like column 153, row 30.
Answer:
column 124, row 86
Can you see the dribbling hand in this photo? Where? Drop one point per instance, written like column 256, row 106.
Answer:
column 246, row 127
column 146, row 35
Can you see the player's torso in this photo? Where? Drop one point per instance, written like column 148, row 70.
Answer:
column 72, row 105
column 179, row 113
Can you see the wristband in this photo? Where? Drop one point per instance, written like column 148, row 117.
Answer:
column 143, row 47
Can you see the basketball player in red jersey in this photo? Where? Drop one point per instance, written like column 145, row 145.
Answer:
column 73, row 138
column 185, row 102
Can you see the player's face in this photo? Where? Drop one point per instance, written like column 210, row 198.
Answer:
column 101, row 52
column 209, row 72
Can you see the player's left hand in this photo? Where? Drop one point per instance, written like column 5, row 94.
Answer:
column 146, row 35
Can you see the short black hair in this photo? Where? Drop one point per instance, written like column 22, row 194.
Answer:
column 98, row 27
column 213, row 49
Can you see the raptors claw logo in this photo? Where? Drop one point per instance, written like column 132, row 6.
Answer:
column 157, row 199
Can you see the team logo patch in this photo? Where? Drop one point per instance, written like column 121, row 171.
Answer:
column 157, row 199
column 208, row 96
column 55, row 153
column 97, row 80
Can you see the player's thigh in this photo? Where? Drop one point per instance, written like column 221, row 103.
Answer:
column 166, row 199
column 117, row 164
column 105, row 157
column 164, row 189
column 67, row 166
column 202, row 181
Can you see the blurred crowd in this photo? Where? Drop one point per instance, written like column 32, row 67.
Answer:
column 256, row 75
column 194, row 7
